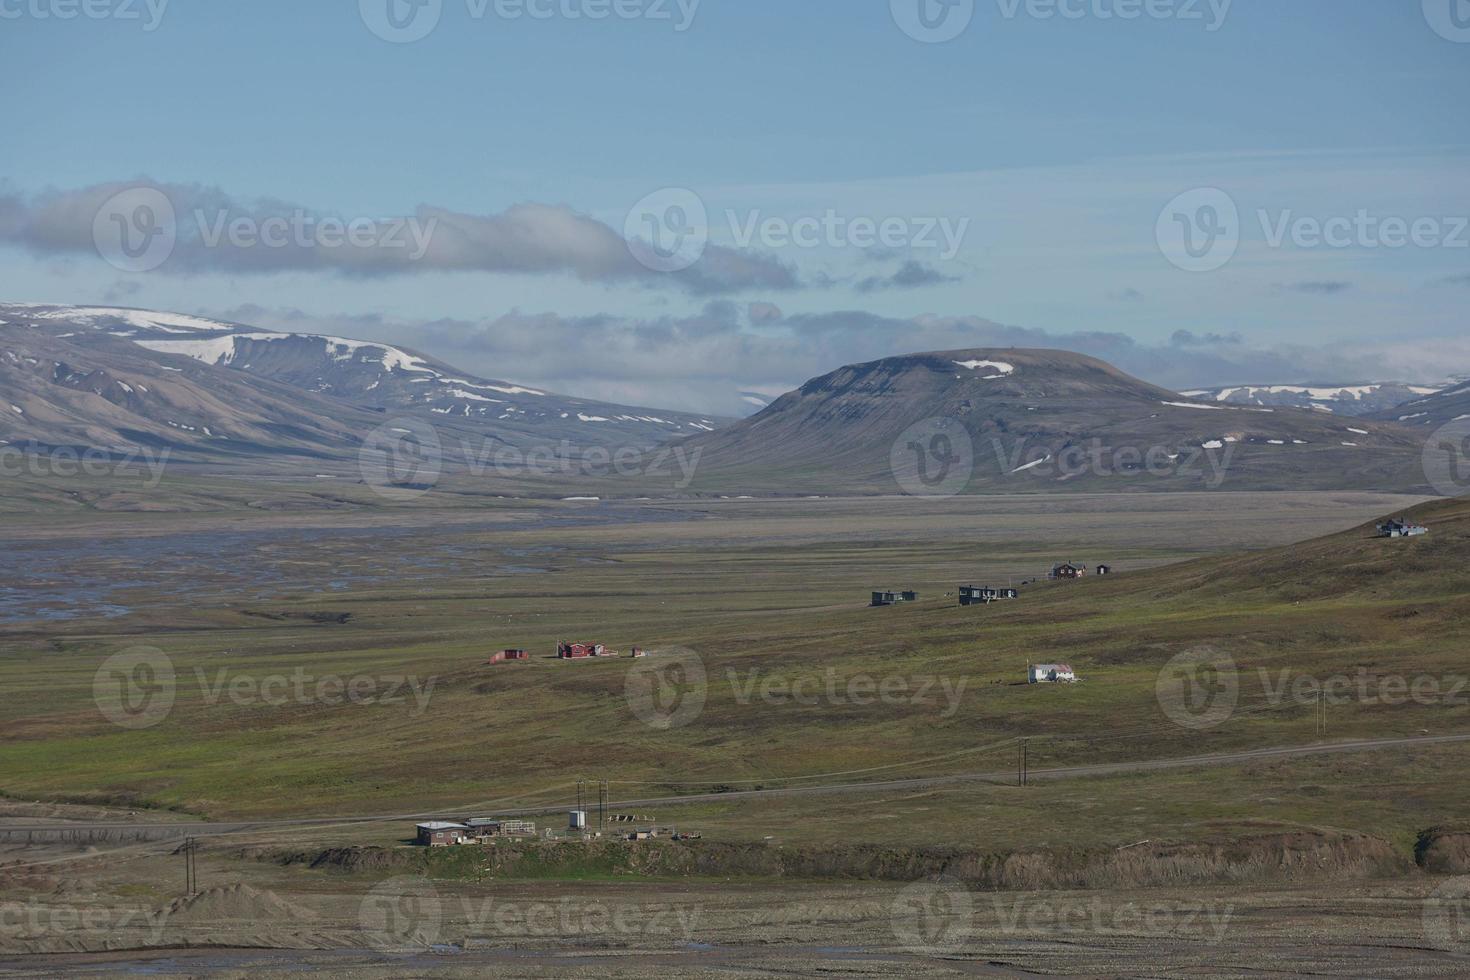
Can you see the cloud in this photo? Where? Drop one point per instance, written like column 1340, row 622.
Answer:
column 219, row 233
column 911, row 275
column 122, row 291
column 1328, row 287
column 1460, row 280
column 1128, row 295
column 1188, row 338
column 764, row 312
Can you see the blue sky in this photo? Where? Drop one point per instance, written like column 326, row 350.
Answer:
column 1055, row 142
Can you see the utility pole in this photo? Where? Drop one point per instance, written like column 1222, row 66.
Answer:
column 1321, row 713
column 601, row 805
column 191, row 877
column 581, row 794
column 1022, row 768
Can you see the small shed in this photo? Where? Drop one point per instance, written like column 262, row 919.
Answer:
column 973, row 595
column 1051, row 674
column 1104, row 570
column 503, row 656
column 891, row 597
column 580, row 651
column 439, row 833
column 1400, row 528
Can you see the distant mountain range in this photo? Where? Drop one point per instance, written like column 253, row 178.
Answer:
column 1006, row 420
column 113, row 378
column 1037, row 420
column 1350, row 399
column 1451, row 404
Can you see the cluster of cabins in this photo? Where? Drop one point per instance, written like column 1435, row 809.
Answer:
column 444, row 833
column 1071, row 570
column 1400, row 528
column 977, row 595
column 448, row 833
column 564, row 651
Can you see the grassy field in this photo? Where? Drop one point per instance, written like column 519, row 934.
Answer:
column 768, row 594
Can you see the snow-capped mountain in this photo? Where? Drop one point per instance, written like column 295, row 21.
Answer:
column 371, row 377
column 1352, row 399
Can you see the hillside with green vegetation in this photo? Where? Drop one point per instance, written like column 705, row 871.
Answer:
column 776, row 615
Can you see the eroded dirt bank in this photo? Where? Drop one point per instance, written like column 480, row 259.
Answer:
column 1296, row 856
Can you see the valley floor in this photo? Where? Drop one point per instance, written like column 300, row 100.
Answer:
column 1145, row 862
